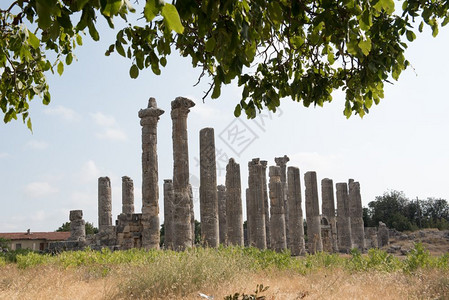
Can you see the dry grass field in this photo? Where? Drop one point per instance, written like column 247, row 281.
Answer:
column 53, row 283
column 137, row 274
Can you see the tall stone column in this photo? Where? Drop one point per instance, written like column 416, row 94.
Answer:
column 255, row 183
column 250, row 222
column 180, row 108
column 266, row 205
column 343, row 219
column 104, row 203
column 168, row 214
column 296, row 219
column 208, row 189
column 221, row 193
column 282, row 162
column 192, row 215
column 278, row 239
column 328, row 211
column 234, row 218
column 314, row 242
column 150, row 187
column 127, row 195
column 356, row 214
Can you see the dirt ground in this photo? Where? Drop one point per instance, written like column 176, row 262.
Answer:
column 437, row 242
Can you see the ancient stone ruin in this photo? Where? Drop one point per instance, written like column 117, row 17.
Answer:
column 273, row 203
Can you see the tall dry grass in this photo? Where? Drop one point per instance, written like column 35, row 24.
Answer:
column 220, row 272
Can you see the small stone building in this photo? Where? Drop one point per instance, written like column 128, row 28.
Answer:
column 37, row 241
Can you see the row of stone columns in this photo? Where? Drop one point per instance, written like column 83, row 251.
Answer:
column 277, row 226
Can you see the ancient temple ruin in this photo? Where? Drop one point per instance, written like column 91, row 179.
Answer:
column 273, row 202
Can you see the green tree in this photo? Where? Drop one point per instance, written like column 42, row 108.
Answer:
column 90, row 228
column 4, row 243
column 303, row 50
column 389, row 208
column 65, row 227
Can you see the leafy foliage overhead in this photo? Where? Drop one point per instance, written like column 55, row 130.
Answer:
column 302, row 49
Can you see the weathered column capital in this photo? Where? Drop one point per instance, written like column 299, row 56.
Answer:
column 221, row 188
column 168, row 181
column 150, row 113
column 181, row 106
column 281, row 161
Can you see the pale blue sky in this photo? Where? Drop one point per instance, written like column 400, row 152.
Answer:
column 91, row 129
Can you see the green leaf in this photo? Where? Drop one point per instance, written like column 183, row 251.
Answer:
column 69, row 59
column 445, row 21
column 275, row 11
column 435, row 29
column 134, row 71
column 171, row 18
column 365, row 46
column 330, row 57
column 421, row 26
column 410, row 35
column 237, row 111
column 60, row 68
column 352, row 47
column 120, row 49
column 151, row 10
column 210, row 44
column 365, row 21
column 33, row 40
column 29, row 125
column 163, row 61
column 112, row 7
column 79, row 40
column 386, row 5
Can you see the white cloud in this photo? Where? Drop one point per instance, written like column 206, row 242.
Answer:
column 110, row 128
column 205, row 112
column 103, row 120
column 65, row 113
column 313, row 161
column 89, row 172
column 38, row 145
column 39, row 189
column 112, row 135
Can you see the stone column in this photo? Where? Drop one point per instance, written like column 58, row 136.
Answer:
column 278, row 239
column 356, row 214
column 104, row 203
column 150, row 187
column 328, row 211
column 127, row 195
column 255, row 183
column 192, row 215
column 77, row 226
column 266, row 205
column 208, row 189
column 343, row 219
column 296, row 219
column 282, row 162
column 234, row 218
column 382, row 235
column 250, row 239
column 182, row 216
column 221, row 193
column 168, row 214
column 314, row 242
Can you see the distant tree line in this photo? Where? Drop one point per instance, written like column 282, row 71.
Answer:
column 398, row 212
